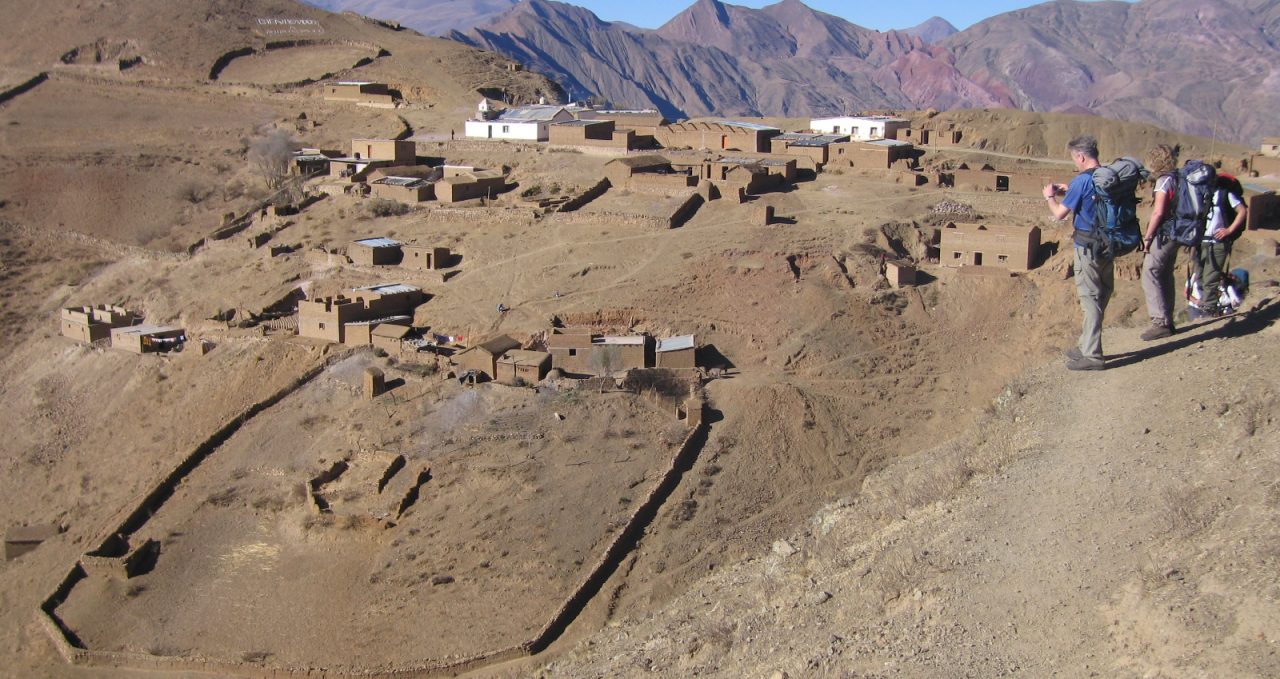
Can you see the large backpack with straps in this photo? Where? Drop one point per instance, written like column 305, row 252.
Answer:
column 1115, row 207
column 1194, row 185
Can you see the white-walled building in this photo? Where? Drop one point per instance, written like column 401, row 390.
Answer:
column 525, row 123
column 860, row 128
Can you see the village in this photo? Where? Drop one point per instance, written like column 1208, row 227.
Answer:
column 368, row 305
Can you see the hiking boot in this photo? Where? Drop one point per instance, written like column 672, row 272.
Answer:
column 1156, row 332
column 1085, row 363
column 1074, row 354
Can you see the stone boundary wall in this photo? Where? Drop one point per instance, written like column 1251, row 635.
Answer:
column 474, row 215
column 623, row 542
column 586, row 196
column 686, row 211
column 23, row 87
column 118, row 249
column 74, row 652
column 614, row 218
column 226, row 58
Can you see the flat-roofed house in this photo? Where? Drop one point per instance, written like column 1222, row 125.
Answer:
column 860, row 128
column 425, row 257
column 377, row 251
column 144, row 339
column 1270, row 147
column 90, row 324
column 970, row 244
column 483, row 357
column 588, row 132
column 462, row 182
column 570, row 350
column 409, row 190
column 676, row 353
column 357, row 312
column 520, row 366
column 816, row 147
column 360, row 92
column 647, row 172
column 870, row 155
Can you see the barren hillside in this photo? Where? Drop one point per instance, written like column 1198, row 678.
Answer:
column 951, row 501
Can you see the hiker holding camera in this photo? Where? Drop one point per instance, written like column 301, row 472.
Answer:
column 1094, row 265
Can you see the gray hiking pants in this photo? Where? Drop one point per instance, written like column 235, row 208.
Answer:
column 1213, row 261
column 1157, row 280
column 1095, row 279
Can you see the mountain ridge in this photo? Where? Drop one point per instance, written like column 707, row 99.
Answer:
column 787, row 59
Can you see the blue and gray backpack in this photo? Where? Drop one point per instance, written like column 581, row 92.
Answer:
column 1195, row 183
column 1115, row 207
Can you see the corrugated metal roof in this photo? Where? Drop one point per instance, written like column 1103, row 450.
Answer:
column 744, row 125
column 388, row 288
column 353, row 82
column 626, row 340
column 582, row 123
column 534, row 113
column 144, row 329
column 811, row 140
column 392, row 330
column 378, row 242
column 409, row 182
column 888, row 142
column 674, row 343
column 376, row 321
column 766, row 162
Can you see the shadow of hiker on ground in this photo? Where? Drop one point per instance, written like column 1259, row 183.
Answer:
column 1237, row 325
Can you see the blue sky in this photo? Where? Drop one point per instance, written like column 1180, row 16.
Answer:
column 878, row 15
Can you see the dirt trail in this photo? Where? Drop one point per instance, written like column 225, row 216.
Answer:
column 1117, row 524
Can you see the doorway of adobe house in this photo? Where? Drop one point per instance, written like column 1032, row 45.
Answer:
column 977, row 259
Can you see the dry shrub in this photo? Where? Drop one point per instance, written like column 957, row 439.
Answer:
column 381, row 207
column 1188, row 509
column 893, row 572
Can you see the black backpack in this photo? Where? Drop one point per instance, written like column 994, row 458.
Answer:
column 1194, row 185
column 1115, row 207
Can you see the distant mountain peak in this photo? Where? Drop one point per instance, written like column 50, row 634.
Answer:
column 932, row 30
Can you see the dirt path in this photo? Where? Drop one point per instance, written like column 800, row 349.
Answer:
column 1095, row 524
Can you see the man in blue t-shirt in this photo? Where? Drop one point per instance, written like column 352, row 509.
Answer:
column 1095, row 271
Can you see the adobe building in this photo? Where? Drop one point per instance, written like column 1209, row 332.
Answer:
column 628, row 350
column 90, row 324
column 570, row 350
column 648, row 172
column 1264, row 211
column 860, row 128
column 464, row 182
column 1270, row 147
column 1009, row 247
column 591, row 133
column 644, row 122
column 390, row 337
column 399, row 150
column 409, row 190
column 146, row 339
column 519, row 366
column 942, row 133
column 899, row 273
column 425, row 257
column 483, row 357
column 718, row 135
column 377, row 251
column 675, row 353
column 331, row 318
column 360, row 92
column 871, row 155
column 816, row 147
column 1264, row 165
column 914, row 135
column 307, row 162
column 752, row 175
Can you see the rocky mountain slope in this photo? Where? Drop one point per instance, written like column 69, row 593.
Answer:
column 432, row 17
column 1196, row 66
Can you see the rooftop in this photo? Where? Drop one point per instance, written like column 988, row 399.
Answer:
column 533, row 113
column 582, row 123
column 629, row 340
column 675, row 343
column 646, row 160
column 409, row 182
column 887, row 142
column 144, row 329
column 744, row 125
column 354, row 82
column 388, row 288
column 880, row 119
column 377, row 321
column 805, row 139
column 378, row 242
column 763, row 162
